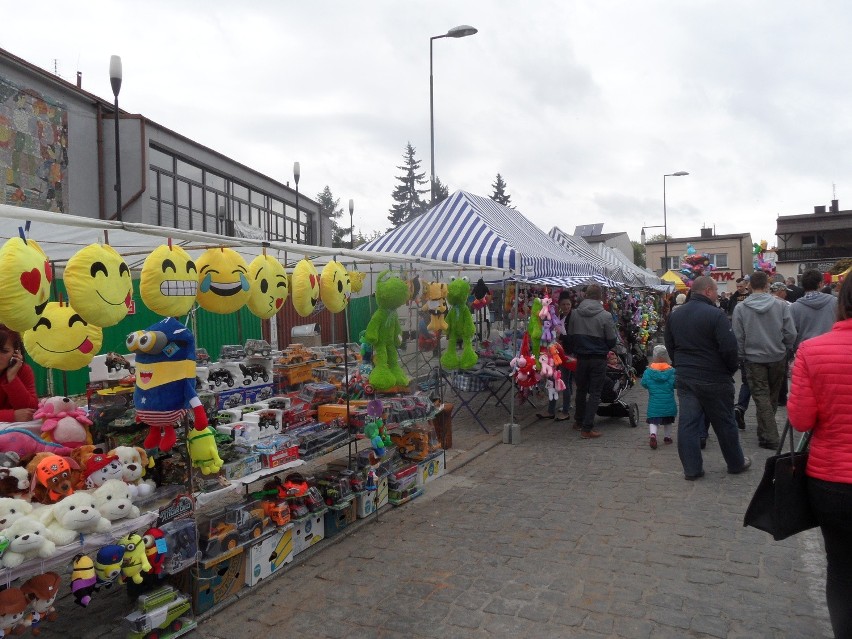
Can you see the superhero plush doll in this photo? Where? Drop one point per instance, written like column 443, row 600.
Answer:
column 165, row 380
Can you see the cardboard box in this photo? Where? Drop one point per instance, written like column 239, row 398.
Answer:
column 308, row 531
column 213, row 583
column 381, row 491
column 230, row 399
column 269, row 555
column 258, row 393
column 431, row 468
column 280, row 457
column 245, row 466
column 339, row 517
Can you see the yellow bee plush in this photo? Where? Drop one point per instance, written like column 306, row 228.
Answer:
column 435, row 294
column 223, row 285
column 25, row 276
column 335, row 286
column 306, row 287
column 62, row 339
column 99, row 285
column 169, row 281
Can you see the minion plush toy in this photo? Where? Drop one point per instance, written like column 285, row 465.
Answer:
column 165, row 380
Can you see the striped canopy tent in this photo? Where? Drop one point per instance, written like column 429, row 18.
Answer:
column 474, row 230
column 635, row 275
column 580, row 249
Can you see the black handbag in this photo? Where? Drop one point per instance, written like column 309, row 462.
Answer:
column 780, row 505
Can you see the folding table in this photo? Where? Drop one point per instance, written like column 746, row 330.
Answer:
column 476, row 387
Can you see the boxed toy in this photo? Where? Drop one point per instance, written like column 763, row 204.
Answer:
column 256, row 373
column 431, row 468
column 213, row 582
column 230, row 399
column 247, row 465
column 111, row 367
column 224, row 375
column 308, row 530
column 269, row 554
column 339, row 517
column 259, row 393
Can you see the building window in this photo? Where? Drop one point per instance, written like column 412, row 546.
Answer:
column 719, row 260
column 673, row 264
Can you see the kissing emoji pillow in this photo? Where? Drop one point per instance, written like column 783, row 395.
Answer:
column 335, row 287
column 223, row 285
column 62, row 339
column 99, row 285
column 269, row 286
column 306, row 287
column 25, row 277
column 169, row 281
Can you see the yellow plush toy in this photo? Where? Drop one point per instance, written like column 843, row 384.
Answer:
column 25, row 277
column 135, row 560
column 62, row 339
column 269, row 286
column 357, row 280
column 223, row 285
column 335, row 286
column 435, row 295
column 201, row 445
column 306, row 287
column 169, row 281
column 99, row 286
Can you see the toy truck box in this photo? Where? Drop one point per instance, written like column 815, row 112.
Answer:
column 232, row 527
column 431, row 468
column 308, row 531
column 213, row 582
column 269, row 554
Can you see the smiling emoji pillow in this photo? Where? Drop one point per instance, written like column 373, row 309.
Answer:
column 99, row 285
column 357, row 280
column 62, row 339
column 223, row 285
column 306, row 287
column 25, row 277
column 169, row 281
column 269, row 286
column 335, row 287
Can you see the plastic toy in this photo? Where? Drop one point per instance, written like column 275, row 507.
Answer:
column 165, row 380
column 435, row 294
column 219, row 376
column 383, row 333
column 112, row 499
column 460, row 327
column 257, row 348
column 63, row 422
column 99, row 286
column 164, row 613
column 83, row 580
column 231, row 352
column 41, row 591
column 100, row 468
column 26, row 443
column 223, row 285
column 268, row 286
column 135, row 560
column 232, row 527
column 28, row 538
column 75, row 515
column 62, row 339
column 13, row 608
column 108, row 565
column 413, row 444
column 201, row 445
column 335, row 286
column 169, row 281
column 306, row 287
column 53, row 474
column 253, row 372
column 25, row 277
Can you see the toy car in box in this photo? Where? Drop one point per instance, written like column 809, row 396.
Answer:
column 233, row 527
column 254, row 373
column 232, row 352
column 295, row 354
column 165, row 612
column 318, row 393
column 257, row 348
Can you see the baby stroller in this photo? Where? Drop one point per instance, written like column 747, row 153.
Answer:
column 620, row 377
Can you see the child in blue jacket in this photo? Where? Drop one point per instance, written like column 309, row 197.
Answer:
column 659, row 379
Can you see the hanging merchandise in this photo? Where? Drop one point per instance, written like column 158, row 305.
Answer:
column 306, row 287
column 169, row 281
column 223, row 285
column 524, row 367
column 414, row 289
column 201, row 445
column 13, row 606
column 25, row 277
column 269, row 286
column 534, row 327
column 83, row 580
column 62, row 339
column 335, row 287
column 435, row 295
column 165, row 380
column 99, row 286
column 41, row 591
column 460, row 328
column 356, row 279
column 383, row 333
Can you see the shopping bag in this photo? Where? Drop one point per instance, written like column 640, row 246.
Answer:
column 780, row 505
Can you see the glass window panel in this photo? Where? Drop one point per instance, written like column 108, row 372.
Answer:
column 183, row 193
column 182, row 218
column 277, row 206
column 214, row 181
column 167, row 215
column 258, row 198
column 721, row 260
column 160, row 159
column 167, row 186
column 187, row 170
column 152, row 182
column 197, row 202
column 197, row 220
column 153, row 209
column 239, row 191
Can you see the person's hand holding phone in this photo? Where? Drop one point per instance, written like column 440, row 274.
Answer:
column 15, row 363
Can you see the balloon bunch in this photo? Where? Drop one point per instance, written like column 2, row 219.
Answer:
column 758, row 260
column 694, row 265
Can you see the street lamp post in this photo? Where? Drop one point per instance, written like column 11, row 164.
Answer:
column 351, row 225
column 456, row 32
column 665, row 223
column 115, row 81
column 297, row 172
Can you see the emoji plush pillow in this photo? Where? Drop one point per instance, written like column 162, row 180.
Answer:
column 269, row 286
column 25, row 277
column 169, row 281
column 306, row 287
column 62, row 339
column 335, row 287
column 223, row 285
column 99, row 285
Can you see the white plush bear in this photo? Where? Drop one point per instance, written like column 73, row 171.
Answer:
column 135, row 461
column 72, row 516
column 28, row 538
column 112, row 499
column 12, row 509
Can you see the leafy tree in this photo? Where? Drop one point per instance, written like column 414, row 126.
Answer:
column 407, row 194
column 499, row 195
column 659, row 237
column 442, row 192
column 362, row 238
column 330, row 206
column 638, row 253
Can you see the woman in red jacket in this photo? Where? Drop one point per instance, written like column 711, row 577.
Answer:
column 820, row 401
column 18, row 399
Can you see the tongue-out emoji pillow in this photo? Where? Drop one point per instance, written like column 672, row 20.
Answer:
column 99, row 285
column 335, row 287
column 306, row 287
column 223, row 284
column 62, row 339
column 169, row 281
column 269, row 286
column 25, row 277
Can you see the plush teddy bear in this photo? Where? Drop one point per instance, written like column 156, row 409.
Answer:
column 75, row 515
column 435, row 295
column 461, row 328
column 63, row 422
column 135, row 460
column 102, row 467
column 28, row 538
column 383, row 332
column 13, row 509
column 112, row 499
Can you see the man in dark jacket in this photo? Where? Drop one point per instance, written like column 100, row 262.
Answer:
column 704, row 353
column 591, row 335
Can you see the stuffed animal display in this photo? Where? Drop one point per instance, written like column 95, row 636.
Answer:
column 25, row 277
column 13, row 608
column 223, row 285
column 306, row 287
column 201, row 445
column 269, row 286
column 108, row 561
column 356, row 279
column 435, row 295
column 28, row 538
column 41, row 591
column 169, row 281
column 26, row 443
column 63, row 422
column 460, row 328
column 135, row 560
column 12, row 509
column 83, row 580
column 383, row 333
column 165, row 380
column 135, row 461
column 54, row 475
column 62, row 339
column 73, row 516
column 335, row 286
column 112, row 499
column 100, row 468
column 99, row 286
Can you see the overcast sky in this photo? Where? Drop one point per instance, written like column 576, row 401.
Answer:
column 581, row 106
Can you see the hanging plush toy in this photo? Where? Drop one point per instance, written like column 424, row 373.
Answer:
column 356, row 279
column 25, row 277
column 165, row 380
column 335, row 287
column 41, row 591
column 63, row 422
column 13, row 608
column 201, row 445
column 83, row 580
column 135, row 560
column 481, row 295
column 534, row 327
column 169, row 281
column 306, row 287
column 99, row 286
column 436, row 305
column 414, row 289
column 269, row 284
column 383, row 333
column 223, row 285
column 62, row 339
column 461, row 328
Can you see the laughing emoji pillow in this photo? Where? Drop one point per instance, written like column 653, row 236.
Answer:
column 269, row 286
column 99, row 285
column 223, row 285
column 25, row 277
column 62, row 339
column 169, row 281
column 306, row 287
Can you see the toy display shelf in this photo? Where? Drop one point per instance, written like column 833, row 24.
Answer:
column 266, row 472
column 87, row 544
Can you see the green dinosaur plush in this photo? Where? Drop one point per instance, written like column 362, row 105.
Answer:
column 384, row 334
column 534, row 328
column 461, row 327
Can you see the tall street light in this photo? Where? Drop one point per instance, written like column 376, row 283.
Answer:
column 351, row 225
column 456, row 32
column 297, row 172
column 665, row 223
column 115, row 81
